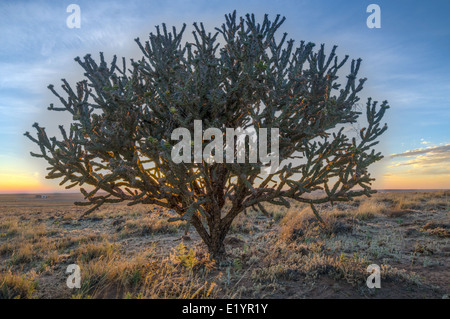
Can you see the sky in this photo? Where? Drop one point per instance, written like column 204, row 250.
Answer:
column 406, row 62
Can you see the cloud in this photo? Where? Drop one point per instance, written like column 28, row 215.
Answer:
column 421, row 168
column 431, row 151
column 437, row 171
column 432, row 161
column 27, row 77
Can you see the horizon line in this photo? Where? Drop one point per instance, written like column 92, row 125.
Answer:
column 378, row 190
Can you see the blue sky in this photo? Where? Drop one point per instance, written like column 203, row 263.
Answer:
column 406, row 62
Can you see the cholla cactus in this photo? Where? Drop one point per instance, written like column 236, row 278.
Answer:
column 240, row 76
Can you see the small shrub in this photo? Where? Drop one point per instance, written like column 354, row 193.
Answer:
column 13, row 286
column 368, row 210
column 91, row 251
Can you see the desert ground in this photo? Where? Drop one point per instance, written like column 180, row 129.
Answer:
column 134, row 252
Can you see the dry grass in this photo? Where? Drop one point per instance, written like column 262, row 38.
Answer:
column 137, row 253
column 369, row 209
column 15, row 286
column 183, row 274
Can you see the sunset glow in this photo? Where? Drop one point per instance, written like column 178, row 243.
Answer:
column 20, row 183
